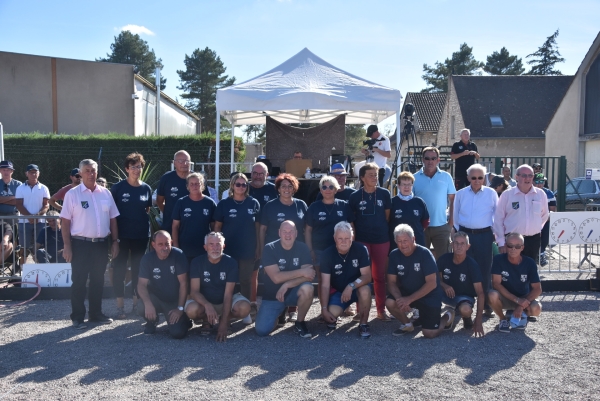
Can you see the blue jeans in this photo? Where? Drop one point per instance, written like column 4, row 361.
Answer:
column 269, row 311
column 453, row 302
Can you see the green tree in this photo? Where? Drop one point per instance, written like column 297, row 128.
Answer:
column 545, row 58
column 355, row 135
column 502, row 63
column 258, row 131
column 131, row 49
column 462, row 63
column 204, row 73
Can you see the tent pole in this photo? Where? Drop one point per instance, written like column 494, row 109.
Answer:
column 217, row 151
column 398, row 135
column 232, row 146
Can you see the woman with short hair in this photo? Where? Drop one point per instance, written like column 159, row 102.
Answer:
column 408, row 209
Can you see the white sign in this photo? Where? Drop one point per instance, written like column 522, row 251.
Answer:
column 571, row 228
column 592, row 173
column 47, row 274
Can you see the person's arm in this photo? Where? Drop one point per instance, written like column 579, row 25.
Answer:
column 175, row 233
column 430, row 284
column 364, row 279
column 384, row 153
column 261, row 239
column 455, row 210
column 224, row 322
column 55, row 204
column 258, row 248
column 325, row 288
column 218, row 225
column 175, row 314
column 545, row 212
column 498, row 226
column 45, row 207
column 455, row 156
column 142, row 292
column 306, row 272
column 114, row 232
column 8, row 200
column 478, row 325
column 308, row 242
column 536, row 291
column 160, row 202
column 21, row 208
column 451, row 211
column 197, row 296
column 66, row 234
column 387, row 215
column 447, row 288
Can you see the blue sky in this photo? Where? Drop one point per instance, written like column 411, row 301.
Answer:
column 383, row 41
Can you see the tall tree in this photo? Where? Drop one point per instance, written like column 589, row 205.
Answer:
column 131, row 49
column 545, row 58
column 502, row 63
column 355, row 135
column 204, row 73
column 462, row 63
column 256, row 130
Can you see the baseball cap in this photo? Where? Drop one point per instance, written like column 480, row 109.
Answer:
column 339, row 169
column 536, row 165
column 74, row 172
column 539, row 177
column 32, row 167
column 372, row 129
column 6, row 164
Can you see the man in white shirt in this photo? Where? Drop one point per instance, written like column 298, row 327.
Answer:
column 380, row 152
column 31, row 199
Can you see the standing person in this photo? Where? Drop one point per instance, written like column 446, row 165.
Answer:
column 464, row 153
column 474, row 209
column 60, row 194
column 237, row 217
column 371, row 207
column 8, row 190
column 380, row 152
column 133, row 198
column 524, row 210
column 408, row 209
column 339, row 173
column 89, row 217
column 499, row 184
column 172, row 187
column 539, row 180
column 102, row 182
column 192, row 218
column 261, row 189
column 538, row 169
column 437, row 189
column 506, row 173
column 49, row 244
column 31, row 199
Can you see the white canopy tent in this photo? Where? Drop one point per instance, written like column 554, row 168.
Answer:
column 305, row 89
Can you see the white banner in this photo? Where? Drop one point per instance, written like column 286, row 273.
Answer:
column 571, row 228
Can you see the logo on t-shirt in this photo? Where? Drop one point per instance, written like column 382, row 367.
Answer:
column 126, row 195
column 463, row 277
column 340, row 213
column 206, row 277
column 300, row 214
column 143, row 198
column 416, row 212
column 156, row 270
column 417, row 267
column 399, row 213
column 172, row 269
column 282, row 263
column 266, row 198
column 174, row 191
column 523, row 277
column 355, row 262
column 222, row 275
column 250, row 211
column 296, row 261
column 505, row 275
column 157, row 277
column 338, row 269
column 322, row 214
column 515, row 205
column 447, row 271
column 379, row 202
column 85, row 204
column 205, row 211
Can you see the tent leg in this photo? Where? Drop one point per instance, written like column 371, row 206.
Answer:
column 232, row 148
column 218, row 152
column 398, row 136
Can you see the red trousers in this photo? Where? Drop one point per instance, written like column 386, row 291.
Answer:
column 379, row 260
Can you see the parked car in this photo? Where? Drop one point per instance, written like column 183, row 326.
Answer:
column 580, row 192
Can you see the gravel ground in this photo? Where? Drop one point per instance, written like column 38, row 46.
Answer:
column 556, row 358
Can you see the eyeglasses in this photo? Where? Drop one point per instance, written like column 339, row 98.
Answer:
column 326, row 187
column 525, row 175
column 136, row 167
column 405, row 184
column 514, row 246
column 476, row 178
column 241, row 185
column 258, row 174
column 429, row 158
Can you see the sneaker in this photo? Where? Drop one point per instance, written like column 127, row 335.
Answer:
column 331, row 326
column 281, row 320
column 120, row 314
column 247, row 320
column 101, row 318
column 543, row 259
column 301, row 329
column 205, row 329
column 503, row 326
column 149, row 328
column 417, row 323
column 364, row 331
column 531, row 319
column 79, row 325
column 403, row 329
column 489, row 313
column 293, row 317
column 450, row 312
column 467, row 322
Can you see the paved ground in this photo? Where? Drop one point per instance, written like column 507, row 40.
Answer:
column 42, row 357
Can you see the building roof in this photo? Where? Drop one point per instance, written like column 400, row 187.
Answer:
column 152, row 87
column 525, row 103
column 429, row 108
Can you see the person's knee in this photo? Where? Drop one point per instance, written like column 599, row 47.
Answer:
column 306, row 291
column 364, row 292
column 241, row 309
column 535, row 308
column 194, row 310
column 493, row 297
column 430, row 333
column 262, row 330
column 178, row 332
column 465, row 309
column 390, row 304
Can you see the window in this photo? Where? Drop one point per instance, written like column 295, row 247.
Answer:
column 496, row 121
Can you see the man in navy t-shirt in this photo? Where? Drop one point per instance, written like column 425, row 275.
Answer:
column 461, row 280
column 162, row 286
column 261, row 189
column 345, row 267
column 516, row 285
column 287, row 281
column 413, row 282
column 172, row 186
column 49, row 244
column 213, row 277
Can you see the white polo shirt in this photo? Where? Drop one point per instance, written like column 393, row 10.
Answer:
column 89, row 212
column 33, row 198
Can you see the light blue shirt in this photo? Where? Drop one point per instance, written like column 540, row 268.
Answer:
column 434, row 191
column 475, row 210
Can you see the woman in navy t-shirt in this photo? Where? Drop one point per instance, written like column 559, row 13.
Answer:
column 408, row 209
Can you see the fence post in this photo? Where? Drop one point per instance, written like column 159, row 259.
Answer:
column 498, row 165
column 561, row 186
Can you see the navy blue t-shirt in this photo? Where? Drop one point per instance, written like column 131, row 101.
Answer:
column 274, row 213
column 343, row 195
column 346, row 269
column 214, row 276
column 163, row 274
column 462, row 276
column 323, row 218
column 9, row 189
column 411, row 272
column 411, row 212
column 194, row 223
column 291, row 260
column 52, row 242
column 239, row 226
column 264, row 194
column 516, row 278
column 173, row 188
column 132, row 202
column 369, row 211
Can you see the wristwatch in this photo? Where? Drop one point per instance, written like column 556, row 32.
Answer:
column 180, row 308
column 352, row 285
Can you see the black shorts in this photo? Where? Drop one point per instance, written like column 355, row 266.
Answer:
column 429, row 316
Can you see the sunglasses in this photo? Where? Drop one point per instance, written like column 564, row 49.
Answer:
column 241, row 185
column 429, row 158
column 326, row 187
column 538, row 182
column 514, row 246
column 476, row 178
column 77, row 176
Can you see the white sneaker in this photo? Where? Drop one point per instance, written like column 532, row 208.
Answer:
column 247, row 320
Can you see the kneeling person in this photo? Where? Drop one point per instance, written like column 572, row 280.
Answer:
column 461, row 281
column 516, row 285
column 162, row 286
column 287, row 281
column 213, row 277
column 413, row 282
column 346, row 267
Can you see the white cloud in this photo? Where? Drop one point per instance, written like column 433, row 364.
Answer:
column 139, row 29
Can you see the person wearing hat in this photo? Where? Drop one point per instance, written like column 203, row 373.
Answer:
column 339, row 173
column 60, row 195
column 8, row 190
column 538, row 169
column 538, row 181
column 464, row 153
column 380, row 152
column 31, row 199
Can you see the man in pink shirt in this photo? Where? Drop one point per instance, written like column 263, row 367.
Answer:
column 522, row 209
column 60, row 195
column 89, row 222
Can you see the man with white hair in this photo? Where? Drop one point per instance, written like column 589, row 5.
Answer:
column 522, row 209
column 172, row 187
column 464, row 153
column 261, row 189
column 345, row 267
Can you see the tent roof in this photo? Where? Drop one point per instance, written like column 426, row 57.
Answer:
column 307, row 89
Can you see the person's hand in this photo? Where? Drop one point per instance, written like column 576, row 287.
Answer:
column 32, row 221
column 478, row 328
column 150, row 313
column 281, row 293
column 449, row 291
column 523, row 302
column 403, row 304
column 67, row 253
column 211, row 314
column 518, row 311
column 308, row 272
column 502, row 249
column 347, row 294
column 327, row 316
column 222, row 332
column 174, row 315
column 114, row 249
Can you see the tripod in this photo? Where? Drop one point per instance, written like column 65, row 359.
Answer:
column 407, row 134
